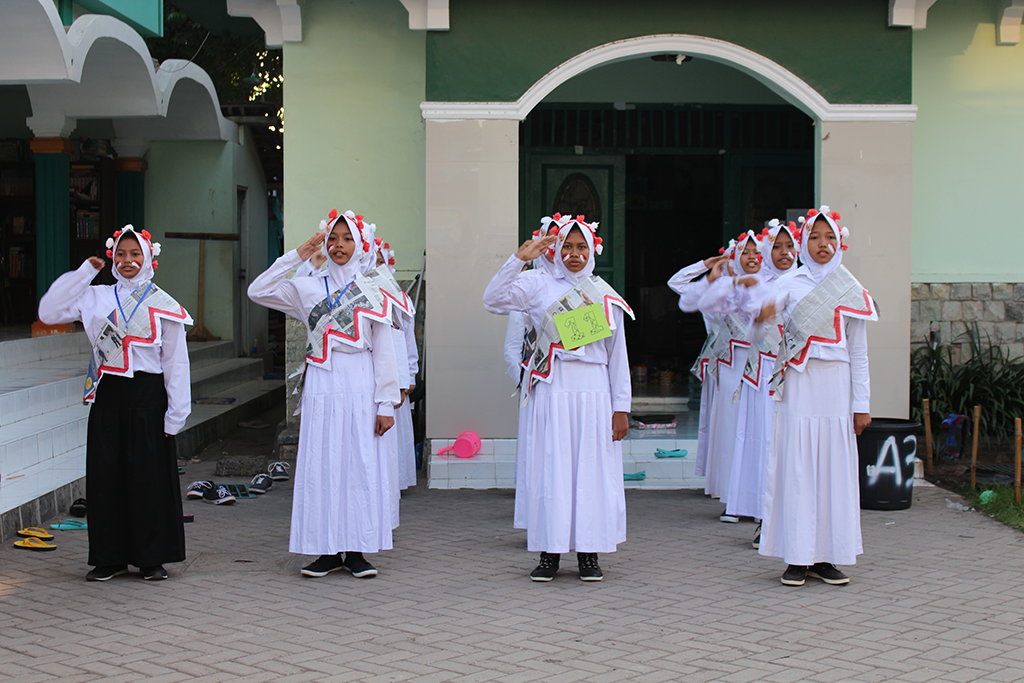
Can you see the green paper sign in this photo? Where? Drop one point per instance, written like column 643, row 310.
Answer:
column 582, row 326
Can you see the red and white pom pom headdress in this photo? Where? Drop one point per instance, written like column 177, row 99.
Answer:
column 580, row 220
column 386, row 251
column 356, row 225
column 735, row 247
column 143, row 237
column 832, row 217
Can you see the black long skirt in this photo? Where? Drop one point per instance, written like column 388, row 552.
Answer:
column 131, row 476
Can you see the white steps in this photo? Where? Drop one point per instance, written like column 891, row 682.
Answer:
column 43, row 421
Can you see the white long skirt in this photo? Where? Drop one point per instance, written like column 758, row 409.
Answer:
column 521, row 507
column 574, row 493
column 345, row 496
column 707, row 401
column 722, row 431
column 753, row 438
column 812, row 494
column 406, row 443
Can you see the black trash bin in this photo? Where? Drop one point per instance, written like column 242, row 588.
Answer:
column 887, row 450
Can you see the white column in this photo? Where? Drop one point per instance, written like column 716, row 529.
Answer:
column 472, row 208
column 866, row 176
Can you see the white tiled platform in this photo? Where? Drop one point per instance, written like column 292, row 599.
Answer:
column 43, row 421
column 495, row 465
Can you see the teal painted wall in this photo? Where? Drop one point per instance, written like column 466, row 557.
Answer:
column 354, row 138
column 968, row 166
column 496, row 50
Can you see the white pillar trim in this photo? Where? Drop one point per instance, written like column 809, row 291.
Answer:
column 1008, row 25
column 911, row 13
column 776, row 77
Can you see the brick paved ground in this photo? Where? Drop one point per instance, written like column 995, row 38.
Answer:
column 936, row 597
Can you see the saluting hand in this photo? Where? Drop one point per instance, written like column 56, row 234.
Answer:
column 532, row 249
column 96, row 262
column 711, row 261
column 310, row 246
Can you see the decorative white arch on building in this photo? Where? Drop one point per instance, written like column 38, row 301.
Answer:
column 101, row 68
column 777, row 78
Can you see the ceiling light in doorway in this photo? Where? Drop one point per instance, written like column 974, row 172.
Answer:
column 678, row 58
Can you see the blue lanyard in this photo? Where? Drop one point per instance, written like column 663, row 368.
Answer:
column 118, row 299
column 332, row 305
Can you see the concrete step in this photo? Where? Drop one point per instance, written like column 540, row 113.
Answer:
column 201, row 354
column 21, row 351
column 213, row 379
column 208, row 422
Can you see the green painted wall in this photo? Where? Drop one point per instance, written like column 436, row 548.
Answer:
column 496, row 50
column 189, row 188
column 968, row 166
column 354, row 138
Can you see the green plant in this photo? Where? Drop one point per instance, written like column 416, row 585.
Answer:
column 1000, row 505
column 988, row 377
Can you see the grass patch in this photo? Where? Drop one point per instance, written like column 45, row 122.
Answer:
column 1000, row 505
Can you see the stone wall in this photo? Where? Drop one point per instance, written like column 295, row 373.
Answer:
column 948, row 309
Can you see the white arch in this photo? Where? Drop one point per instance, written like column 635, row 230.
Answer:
column 33, row 48
column 776, row 77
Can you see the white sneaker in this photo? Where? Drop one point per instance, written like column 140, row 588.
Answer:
column 731, row 519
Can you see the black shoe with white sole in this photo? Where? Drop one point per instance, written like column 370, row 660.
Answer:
column 261, row 483
column 547, row 568
column 279, row 471
column 589, row 569
column 197, row 488
column 795, row 575
column 360, row 568
column 757, row 537
column 106, row 573
column 218, row 495
column 828, row 573
column 324, row 566
column 156, row 573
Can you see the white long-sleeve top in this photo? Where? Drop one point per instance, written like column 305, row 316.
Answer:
column 514, row 334
column 724, row 296
column 787, row 292
column 685, row 284
column 71, row 298
column 298, row 296
column 532, row 293
column 411, row 350
column 401, row 358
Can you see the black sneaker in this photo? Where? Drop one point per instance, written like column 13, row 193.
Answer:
column 261, row 483
column 589, row 569
column 197, row 488
column 828, row 573
column 795, row 575
column 547, row 568
column 757, row 537
column 279, row 471
column 324, row 566
column 78, row 508
column 156, row 573
column 218, row 495
column 106, row 573
column 360, row 568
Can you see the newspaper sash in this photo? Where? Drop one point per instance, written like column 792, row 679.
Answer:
column 729, row 344
column 589, row 291
column 700, row 365
column 758, row 357
column 111, row 349
column 400, row 303
column 363, row 298
column 818, row 318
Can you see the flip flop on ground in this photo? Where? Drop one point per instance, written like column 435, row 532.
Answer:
column 35, row 532
column 69, row 525
column 33, row 543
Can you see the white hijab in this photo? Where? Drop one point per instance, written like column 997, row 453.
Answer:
column 542, row 263
column 737, row 253
column 149, row 251
column 384, row 248
column 768, row 267
column 364, row 258
column 820, row 271
column 565, row 226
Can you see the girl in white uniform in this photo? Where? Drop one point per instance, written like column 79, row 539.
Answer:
column 138, row 335
column 812, row 497
column 345, row 497
column 720, row 299
column 573, row 484
column 690, row 289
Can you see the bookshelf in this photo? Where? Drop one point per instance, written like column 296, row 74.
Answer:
column 91, row 190
column 17, row 235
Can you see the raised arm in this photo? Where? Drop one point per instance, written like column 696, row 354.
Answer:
column 273, row 289
column 63, row 301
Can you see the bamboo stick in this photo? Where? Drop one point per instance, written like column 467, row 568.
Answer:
column 1016, row 461
column 928, row 434
column 974, row 447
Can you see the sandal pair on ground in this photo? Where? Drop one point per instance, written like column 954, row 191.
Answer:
column 35, row 538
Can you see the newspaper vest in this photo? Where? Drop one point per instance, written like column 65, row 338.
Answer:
column 818, row 318
column 111, row 349
column 589, row 291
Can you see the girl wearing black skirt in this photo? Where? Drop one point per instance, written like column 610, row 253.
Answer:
column 138, row 384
